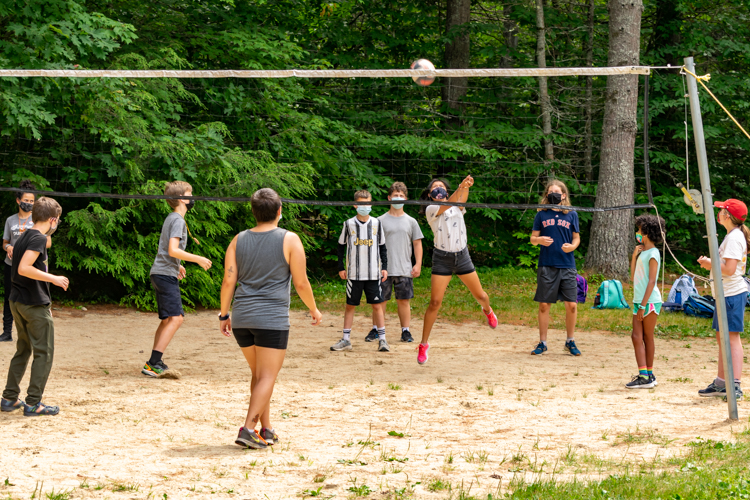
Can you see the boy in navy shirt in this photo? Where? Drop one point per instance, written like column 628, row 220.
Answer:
column 556, row 230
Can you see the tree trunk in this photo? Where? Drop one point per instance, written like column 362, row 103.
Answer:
column 541, row 59
column 588, row 105
column 511, row 35
column 457, row 54
column 612, row 232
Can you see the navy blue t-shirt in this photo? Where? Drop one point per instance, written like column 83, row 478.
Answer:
column 560, row 227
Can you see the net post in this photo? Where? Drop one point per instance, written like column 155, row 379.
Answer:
column 646, row 169
column 713, row 244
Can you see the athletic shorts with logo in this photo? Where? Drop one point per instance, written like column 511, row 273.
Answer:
column 556, row 284
column 371, row 289
column 403, row 285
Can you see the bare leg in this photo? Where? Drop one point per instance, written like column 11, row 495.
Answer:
column 649, row 325
column 378, row 315
column 267, row 366
column 637, row 338
column 166, row 330
column 471, row 280
column 543, row 320
column 404, row 312
column 349, row 316
column 571, row 314
column 437, row 292
column 737, row 355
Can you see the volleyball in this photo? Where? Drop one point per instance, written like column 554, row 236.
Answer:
column 424, row 81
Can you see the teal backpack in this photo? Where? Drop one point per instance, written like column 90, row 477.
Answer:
column 610, row 296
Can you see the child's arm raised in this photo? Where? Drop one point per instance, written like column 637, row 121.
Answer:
column 174, row 251
column 295, row 254
column 26, row 269
column 633, row 260
column 460, row 195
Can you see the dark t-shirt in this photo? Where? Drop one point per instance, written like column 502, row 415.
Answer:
column 560, row 227
column 26, row 290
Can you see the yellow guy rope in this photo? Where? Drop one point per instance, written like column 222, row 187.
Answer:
column 708, row 77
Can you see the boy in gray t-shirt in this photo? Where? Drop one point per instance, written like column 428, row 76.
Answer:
column 15, row 226
column 166, row 272
column 403, row 238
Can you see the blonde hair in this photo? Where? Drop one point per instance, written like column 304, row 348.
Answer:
column 176, row 188
column 563, row 188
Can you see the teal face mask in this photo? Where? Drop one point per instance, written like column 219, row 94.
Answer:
column 397, row 206
column 364, row 210
column 639, row 237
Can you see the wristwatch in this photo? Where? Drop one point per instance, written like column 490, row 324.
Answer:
column 640, row 306
column 223, row 318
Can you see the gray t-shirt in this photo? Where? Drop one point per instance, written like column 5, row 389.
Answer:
column 174, row 227
column 400, row 233
column 14, row 229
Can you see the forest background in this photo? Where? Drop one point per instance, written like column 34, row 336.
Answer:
column 324, row 139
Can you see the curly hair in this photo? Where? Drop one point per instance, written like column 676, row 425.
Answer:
column 25, row 184
column 652, row 227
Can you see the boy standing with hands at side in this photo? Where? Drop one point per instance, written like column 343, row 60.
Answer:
column 30, row 304
column 362, row 263
column 167, row 271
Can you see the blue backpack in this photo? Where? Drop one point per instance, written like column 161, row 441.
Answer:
column 700, row 307
column 610, row 296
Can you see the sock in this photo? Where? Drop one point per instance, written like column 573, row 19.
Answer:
column 650, row 370
column 155, row 357
column 347, row 333
column 571, row 339
column 544, row 343
column 737, row 382
column 404, row 329
column 381, row 333
column 643, row 371
column 374, row 327
column 720, row 382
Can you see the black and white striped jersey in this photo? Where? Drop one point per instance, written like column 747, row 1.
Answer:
column 362, row 240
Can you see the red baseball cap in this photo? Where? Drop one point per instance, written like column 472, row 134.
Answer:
column 734, row 207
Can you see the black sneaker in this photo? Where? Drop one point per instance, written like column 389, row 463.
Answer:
column 6, row 337
column 250, row 439
column 406, row 336
column 653, row 379
column 737, row 392
column 373, row 335
column 161, row 364
column 714, row 391
column 640, row 382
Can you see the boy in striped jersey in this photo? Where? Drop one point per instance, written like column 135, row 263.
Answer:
column 362, row 263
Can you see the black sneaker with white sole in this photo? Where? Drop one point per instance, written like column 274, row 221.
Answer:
column 406, row 336
column 250, row 439
column 640, row 382
column 713, row 391
column 373, row 335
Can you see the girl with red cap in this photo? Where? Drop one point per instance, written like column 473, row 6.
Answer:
column 733, row 255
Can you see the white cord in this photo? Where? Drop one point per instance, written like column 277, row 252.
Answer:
column 664, row 237
column 687, row 150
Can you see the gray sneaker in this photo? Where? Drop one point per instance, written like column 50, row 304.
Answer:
column 383, row 346
column 342, row 345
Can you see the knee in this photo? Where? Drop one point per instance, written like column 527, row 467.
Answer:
column 543, row 307
column 435, row 303
column 177, row 320
column 571, row 307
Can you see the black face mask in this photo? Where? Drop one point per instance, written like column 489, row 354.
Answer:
column 190, row 204
column 554, row 198
column 26, row 207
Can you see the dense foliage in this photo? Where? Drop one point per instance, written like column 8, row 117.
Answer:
column 324, row 139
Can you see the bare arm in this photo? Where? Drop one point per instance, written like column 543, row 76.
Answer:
column 295, row 255
column 26, row 269
column 460, row 195
column 653, row 269
column 540, row 240
column 227, row 285
column 570, row 247
column 728, row 267
column 49, row 241
column 174, row 251
column 418, row 254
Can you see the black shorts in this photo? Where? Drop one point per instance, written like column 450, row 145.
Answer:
column 168, row 299
column 354, row 289
column 450, row 263
column 272, row 339
column 403, row 285
column 554, row 284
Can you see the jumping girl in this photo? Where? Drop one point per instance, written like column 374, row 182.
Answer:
column 450, row 256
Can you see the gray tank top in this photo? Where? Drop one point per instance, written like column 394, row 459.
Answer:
column 261, row 299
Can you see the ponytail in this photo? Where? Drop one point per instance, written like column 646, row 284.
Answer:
column 745, row 230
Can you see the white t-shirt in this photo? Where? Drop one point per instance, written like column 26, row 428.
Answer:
column 449, row 228
column 734, row 246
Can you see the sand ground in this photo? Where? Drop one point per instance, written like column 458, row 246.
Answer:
column 481, row 412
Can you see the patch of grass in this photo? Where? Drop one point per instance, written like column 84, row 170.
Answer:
column 125, row 487
column 480, row 387
column 438, row 484
column 360, row 491
column 393, row 386
column 491, row 390
column 59, row 495
column 681, row 380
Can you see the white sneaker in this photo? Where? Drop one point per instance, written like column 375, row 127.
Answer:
column 383, row 346
column 342, row 345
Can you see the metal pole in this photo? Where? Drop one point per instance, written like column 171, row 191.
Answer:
column 713, row 242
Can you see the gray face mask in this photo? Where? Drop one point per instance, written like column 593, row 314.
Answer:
column 52, row 229
column 26, row 207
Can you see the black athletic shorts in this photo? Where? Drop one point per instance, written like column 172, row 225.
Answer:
column 354, row 289
column 168, row 299
column 450, row 263
column 403, row 285
column 272, row 339
column 554, row 284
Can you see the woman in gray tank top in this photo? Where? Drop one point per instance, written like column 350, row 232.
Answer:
column 259, row 267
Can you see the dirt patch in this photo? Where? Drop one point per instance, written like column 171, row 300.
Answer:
column 480, row 412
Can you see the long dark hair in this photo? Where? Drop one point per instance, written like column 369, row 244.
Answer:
column 25, row 184
column 426, row 193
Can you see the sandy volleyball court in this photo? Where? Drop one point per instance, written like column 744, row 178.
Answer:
column 481, row 412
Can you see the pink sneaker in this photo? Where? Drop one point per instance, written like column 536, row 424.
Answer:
column 422, row 356
column 491, row 318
